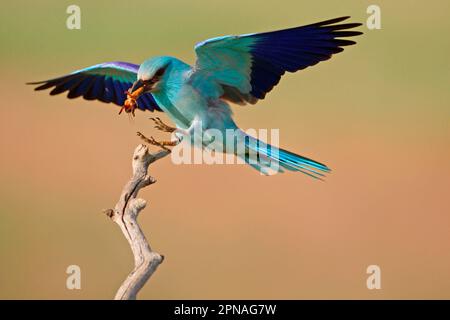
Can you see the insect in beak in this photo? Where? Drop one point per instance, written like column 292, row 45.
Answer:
column 133, row 94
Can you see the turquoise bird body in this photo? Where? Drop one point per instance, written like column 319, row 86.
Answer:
column 231, row 69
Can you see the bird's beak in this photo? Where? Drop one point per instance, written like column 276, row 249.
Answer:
column 136, row 89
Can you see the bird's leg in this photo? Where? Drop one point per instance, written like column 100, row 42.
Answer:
column 196, row 126
column 179, row 133
column 162, row 126
column 161, row 144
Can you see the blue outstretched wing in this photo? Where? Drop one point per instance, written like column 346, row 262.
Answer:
column 106, row 82
column 245, row 68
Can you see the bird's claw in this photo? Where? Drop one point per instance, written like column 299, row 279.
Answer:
column 161, row 144
column 150, row 140
column 162, row 126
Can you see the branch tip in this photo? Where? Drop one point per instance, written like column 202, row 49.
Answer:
column 109, row 212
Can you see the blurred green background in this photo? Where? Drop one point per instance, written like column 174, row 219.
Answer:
column 378, row 114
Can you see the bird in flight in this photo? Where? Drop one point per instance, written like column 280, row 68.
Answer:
column 230, row 69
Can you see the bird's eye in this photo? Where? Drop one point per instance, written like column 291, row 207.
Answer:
column 160, row 72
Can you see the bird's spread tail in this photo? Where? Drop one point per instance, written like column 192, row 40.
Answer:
column 269, row 159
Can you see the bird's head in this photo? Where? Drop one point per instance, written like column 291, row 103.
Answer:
column 151, row 76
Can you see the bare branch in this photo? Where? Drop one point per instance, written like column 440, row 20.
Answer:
column 125, row 214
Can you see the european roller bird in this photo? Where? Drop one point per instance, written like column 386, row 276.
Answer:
column 230, row 69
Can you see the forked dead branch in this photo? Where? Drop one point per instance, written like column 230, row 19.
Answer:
column 125, row 214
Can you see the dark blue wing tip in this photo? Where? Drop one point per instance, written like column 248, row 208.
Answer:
column 295, row 49
column 329, row 21
column 94, row 87
column 335, row 26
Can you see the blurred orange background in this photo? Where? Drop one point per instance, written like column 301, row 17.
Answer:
column 378, row 114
